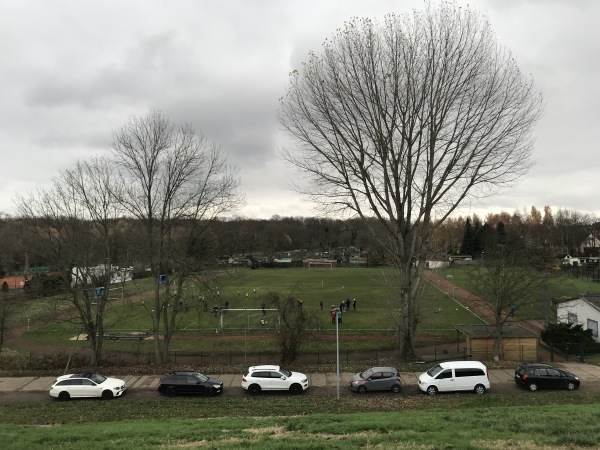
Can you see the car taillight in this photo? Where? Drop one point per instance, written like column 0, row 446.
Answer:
column 243, row 378
column 525, row 376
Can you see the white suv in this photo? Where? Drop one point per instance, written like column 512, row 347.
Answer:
column 273, row 378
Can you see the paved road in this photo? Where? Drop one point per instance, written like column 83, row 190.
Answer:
column 35, row 389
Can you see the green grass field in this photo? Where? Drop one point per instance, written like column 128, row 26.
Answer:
column 376, row 312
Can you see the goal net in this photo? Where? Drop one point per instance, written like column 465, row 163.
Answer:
column 254, row 320
column 322, row 265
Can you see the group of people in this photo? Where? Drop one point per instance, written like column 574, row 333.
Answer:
column 336, row 311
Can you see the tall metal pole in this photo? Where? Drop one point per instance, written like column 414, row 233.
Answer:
column 337, row 347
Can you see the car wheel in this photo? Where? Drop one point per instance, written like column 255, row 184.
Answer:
column 396, row 388
column 107, row 394
column 480, row 389
column 171, row 392
column 254, row 389
column 361, row 390
column 533, row 387
column 295, row 389
column 432, row 390
column 571, row 386
column 209, row 392
column 64, row 396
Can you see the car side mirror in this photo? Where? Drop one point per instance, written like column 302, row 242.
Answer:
column 283, row 377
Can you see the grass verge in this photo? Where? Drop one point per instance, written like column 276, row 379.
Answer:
column 465, row 421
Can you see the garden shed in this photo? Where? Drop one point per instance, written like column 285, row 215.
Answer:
column 518, row 344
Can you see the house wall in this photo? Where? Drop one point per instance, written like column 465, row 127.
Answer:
column 513, row 349
column 586, row 314
column 438, row 264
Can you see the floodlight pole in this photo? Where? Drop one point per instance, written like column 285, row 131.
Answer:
column 337, row 347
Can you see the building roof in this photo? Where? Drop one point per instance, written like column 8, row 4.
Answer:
column 509, row 330
column 592, row 299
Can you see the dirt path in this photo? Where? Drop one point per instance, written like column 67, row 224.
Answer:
column 476, row 304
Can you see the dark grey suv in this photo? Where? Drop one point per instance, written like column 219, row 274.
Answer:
column 376, row 379
column 176, row 383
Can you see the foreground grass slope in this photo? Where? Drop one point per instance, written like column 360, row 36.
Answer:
column 463, row 421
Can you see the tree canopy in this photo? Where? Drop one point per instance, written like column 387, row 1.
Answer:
column 405, row 119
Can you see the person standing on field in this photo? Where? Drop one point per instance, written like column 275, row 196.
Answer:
column 354, row 304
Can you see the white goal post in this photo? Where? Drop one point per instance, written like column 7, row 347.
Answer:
column 324, row 265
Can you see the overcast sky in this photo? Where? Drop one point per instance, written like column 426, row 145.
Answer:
column 71, row 72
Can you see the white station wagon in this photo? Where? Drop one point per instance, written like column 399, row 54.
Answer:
column 86, row 385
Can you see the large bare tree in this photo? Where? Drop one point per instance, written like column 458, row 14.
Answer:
column 72, row 227
column 177, row 184
column 403, row 121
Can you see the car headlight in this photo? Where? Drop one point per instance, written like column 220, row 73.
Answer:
column 216, row 386
column 354, row 383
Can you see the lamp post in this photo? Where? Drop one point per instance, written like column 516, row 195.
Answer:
column 337, row 350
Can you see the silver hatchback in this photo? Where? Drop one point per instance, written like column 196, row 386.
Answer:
column 376, row 379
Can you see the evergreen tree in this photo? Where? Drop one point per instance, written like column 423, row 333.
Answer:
column 484, row 237
column 468, row 243
column 501, row 232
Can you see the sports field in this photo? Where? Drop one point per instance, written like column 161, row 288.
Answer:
column 372, row 324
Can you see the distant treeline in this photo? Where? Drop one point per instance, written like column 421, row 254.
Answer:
column 547, row 234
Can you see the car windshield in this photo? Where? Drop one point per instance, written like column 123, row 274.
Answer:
column 285, row 372
column 201, row 377
column 97, row 378
column 367, row 373
column 434, row 371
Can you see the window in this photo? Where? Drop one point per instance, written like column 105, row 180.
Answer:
column 445, row 374
column 593, row 325
column 434, row 371
column 261, row 374
column 572, row 318
column 469, row 372
column 553, row 373
column 541, row 372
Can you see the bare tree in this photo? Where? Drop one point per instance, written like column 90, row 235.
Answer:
column 71, row 226
column 406, row 119
column 177, row 184
column 294, row 324
column 507, row 282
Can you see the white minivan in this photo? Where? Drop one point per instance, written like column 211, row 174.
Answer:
column 455, row 376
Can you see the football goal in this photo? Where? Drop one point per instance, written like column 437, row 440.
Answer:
column 321, row 265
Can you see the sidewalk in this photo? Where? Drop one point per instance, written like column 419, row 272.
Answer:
column 586, row 372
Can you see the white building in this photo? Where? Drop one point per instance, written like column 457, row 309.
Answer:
column 584, row 310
